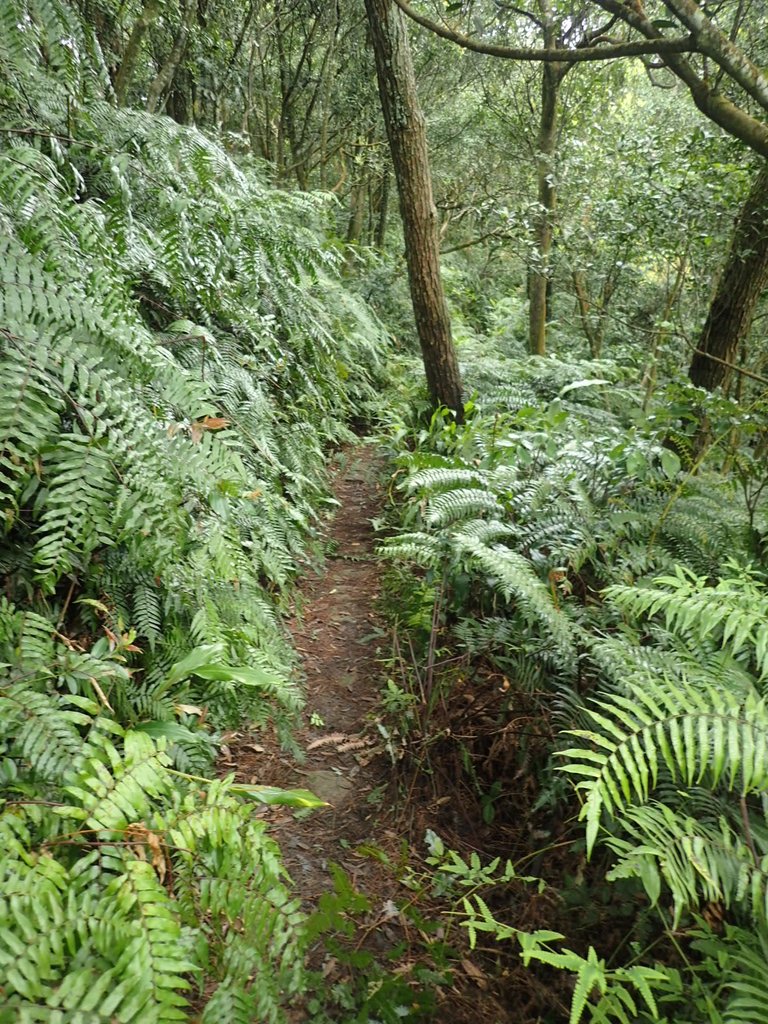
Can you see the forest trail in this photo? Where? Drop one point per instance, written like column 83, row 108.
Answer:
column 336, row 634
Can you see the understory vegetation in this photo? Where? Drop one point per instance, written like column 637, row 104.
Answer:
column 587, row 651
column 177, row 357
column 203, row 295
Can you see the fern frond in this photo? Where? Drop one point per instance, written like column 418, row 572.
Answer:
column 695, row 734
column 154, row 961
column 422, row 548
column 733, row 611
column 113, row 789
column 697, row 861
column 516, row 580
column 43, row 728
column 747, row 978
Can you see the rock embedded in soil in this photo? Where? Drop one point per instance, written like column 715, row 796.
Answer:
column 333, row 788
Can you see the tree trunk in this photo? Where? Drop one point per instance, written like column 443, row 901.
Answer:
column 585, row 312
column 539, row 276
column 661, row 331
column 355, row 223
column 383, row 210
column 744, row 278
column 127, row 68
column 164, row 77
column 406, row 130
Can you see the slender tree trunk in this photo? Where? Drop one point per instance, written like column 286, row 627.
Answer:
column 743, row 280
column 238, row 47
column 329, row 70
column 593, row 317
column 406, row 130
column 290, row 83
column 179, row 103
column 661, row 333
column 167, row 72
column 585, row 312
column 127, row 69
column 383, row 210
column 551, row 76
column 356, row 220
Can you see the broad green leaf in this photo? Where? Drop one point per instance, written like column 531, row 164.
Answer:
column 273, row 795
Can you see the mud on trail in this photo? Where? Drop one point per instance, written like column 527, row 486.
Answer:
column 337, row 638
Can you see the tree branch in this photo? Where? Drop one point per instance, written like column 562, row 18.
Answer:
column 555, row 55
column 475, row 241
column 716, row 44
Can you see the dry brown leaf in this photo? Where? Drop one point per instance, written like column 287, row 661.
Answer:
column 354, row 744
column 474, row 972
column 330, row 966
column 158, row 854
column 141, row 838
column 331, row 738
column 189, row 709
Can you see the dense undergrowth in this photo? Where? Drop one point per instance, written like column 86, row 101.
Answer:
column 590, row 609
column 177, row 355
column 580, row 580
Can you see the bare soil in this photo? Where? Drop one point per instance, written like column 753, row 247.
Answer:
column 343, row 643
column 336, row 633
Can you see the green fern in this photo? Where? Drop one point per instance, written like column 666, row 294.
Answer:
column 695, row 735
column 177, row 355
column 733, row 611
column 698, row 862
column 747, row 976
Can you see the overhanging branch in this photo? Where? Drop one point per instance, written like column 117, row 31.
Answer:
column 557, row 55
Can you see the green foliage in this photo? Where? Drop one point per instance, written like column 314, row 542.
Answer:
column 177, row 354
column 731, row 614
column 603, row 994
column 126, row 888
column 573, row 549
column 708, row 736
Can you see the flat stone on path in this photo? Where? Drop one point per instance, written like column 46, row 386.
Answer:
column 328, row 786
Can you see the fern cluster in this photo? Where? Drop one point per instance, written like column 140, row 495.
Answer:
column 579, row 554
column 177, row 354
column 126, row 887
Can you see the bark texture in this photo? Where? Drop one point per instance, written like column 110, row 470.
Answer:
column 744, row 277
column 127, row 69
column 164, row 78
column 547, row 194
column 406, row 131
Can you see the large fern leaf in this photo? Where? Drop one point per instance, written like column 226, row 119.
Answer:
column 697, row 735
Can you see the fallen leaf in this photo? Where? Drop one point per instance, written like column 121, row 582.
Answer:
column 331, row 738
column 188, row 709
column 474, row 972
column 214, row 422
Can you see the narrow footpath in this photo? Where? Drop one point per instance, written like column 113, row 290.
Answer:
column 342, row 646
column 339, row 641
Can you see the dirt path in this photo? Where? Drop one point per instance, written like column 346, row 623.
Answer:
column 340, row 642
column 338, row 639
